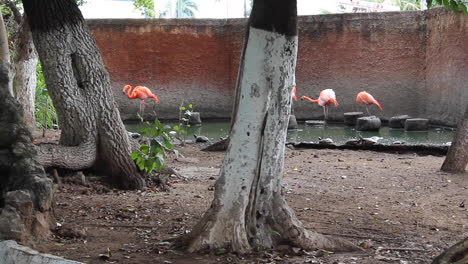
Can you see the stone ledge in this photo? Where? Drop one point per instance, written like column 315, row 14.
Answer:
column 12, row 253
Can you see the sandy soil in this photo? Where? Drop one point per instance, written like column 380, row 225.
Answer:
column 400, row 208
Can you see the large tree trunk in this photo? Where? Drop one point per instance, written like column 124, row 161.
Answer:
column 93, row 134
column 248, row 211
column 457, row 156
column 25, row 191
column 25, row 80
column 456, row 254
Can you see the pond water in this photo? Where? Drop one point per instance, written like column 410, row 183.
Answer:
column 337, row 132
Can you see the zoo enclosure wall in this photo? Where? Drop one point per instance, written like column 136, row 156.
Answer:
column 414, row 63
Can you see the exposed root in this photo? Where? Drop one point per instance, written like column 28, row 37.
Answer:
column 67, row 157
column 218, row 146
column 293, row 232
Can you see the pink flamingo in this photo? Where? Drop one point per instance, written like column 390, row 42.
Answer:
column 294, row 92
column 326, row 98
column 367, row 99
column 139, row 92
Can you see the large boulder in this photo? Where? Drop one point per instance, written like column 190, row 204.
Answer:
column 416, row 124
column 398, row 121
column 350, row 118
column 368, row 123
column 194, row 118
column 292, row 124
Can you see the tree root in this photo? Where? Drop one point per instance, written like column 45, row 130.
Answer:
column 218, row 146
column 456, row 254
column 67, row 157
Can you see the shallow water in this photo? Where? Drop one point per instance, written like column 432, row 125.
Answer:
column 337, row 132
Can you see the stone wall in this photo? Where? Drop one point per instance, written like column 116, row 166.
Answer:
column 407, row 60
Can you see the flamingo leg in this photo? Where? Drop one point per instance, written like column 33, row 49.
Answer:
column 368, row 112
column 142, row 110
column 324, row 113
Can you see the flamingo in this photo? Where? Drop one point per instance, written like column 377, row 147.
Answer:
column 139, row 92
column 326, row 98
column 294, row 91
column 367, row 99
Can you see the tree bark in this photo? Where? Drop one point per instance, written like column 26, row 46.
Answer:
column 79, row 87
column 457, row 156
column 25, row 192
column 4, row 51
column 456, row 254
column 25, row 80
column 248, row 211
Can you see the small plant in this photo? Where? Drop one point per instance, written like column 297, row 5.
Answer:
column 151, row 157
column 181, row 128
column 46, row 116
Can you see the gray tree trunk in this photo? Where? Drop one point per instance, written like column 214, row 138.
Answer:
column 457, row 156
column 25, row 191
column 25, row 80
column 93, row 134
column 248, row 210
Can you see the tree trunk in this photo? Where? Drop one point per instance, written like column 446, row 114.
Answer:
column 5, row 52
column 25, row 76
column 25, row 191
column 79, row 86
column 456, row 254
column 457, row 156
column 248, row 211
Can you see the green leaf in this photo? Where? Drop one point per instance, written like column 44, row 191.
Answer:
column 167, row 143
column 446, row 3
column 190, row 106
column 182, row 108
column 145, row 149
column 454, row 6
column 464, row 8
column 429, row 3
column 135, row 155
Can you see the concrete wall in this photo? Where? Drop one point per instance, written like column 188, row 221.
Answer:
column 407, row 60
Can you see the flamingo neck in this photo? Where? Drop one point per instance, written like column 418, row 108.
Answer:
column 131, row 93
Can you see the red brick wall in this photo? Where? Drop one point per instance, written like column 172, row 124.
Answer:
column 447, row 66
column 196, row 61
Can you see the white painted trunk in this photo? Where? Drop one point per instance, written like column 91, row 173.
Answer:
column 257, row 140
column 25, row 83
column 25, row 78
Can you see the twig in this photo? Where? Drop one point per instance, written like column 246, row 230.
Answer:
column 401, row 249
column 123, row 226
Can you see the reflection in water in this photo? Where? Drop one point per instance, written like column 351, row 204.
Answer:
column 337, row 132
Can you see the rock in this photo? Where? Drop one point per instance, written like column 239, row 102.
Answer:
column 416, row 124
column 350, row 118
column 201, row 139
column 314, row 122
column 11, row 252
column 368, row 123
column 368, row 141
column 292, row 124
column 134, row 135
column 325, row 141
column 353, row 142
column 194, row 118
column 398, row 121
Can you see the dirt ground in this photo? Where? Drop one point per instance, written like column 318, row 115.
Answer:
column 399, row 207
